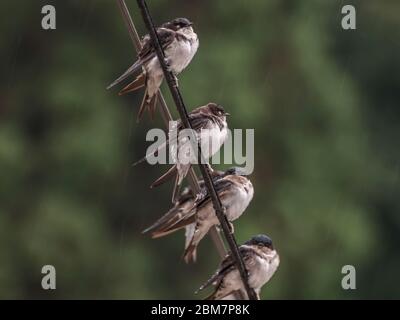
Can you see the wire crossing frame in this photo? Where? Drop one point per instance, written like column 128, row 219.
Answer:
column 204, row 169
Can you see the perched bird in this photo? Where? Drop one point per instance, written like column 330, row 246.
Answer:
column 184, row 205
column 211, row 130
column 261, row 261
column 180, row 44
column 196, row 213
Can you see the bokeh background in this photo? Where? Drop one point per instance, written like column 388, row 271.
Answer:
column 324, row 104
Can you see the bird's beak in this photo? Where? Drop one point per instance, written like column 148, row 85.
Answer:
column 227, row 114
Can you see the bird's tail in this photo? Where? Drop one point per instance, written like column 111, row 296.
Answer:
column 219, row 294
column 189, row 233
column 165, row 177
column 177, row 187
column 212, row 296
column 173, row 171
column 148, row 103
column 153, row 153
column 136, row 84
column 160, row 224
column 189, row 255
column 170, row 226
column 132, row 69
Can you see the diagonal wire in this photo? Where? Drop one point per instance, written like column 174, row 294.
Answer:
column 205, row 171
column 166, row 115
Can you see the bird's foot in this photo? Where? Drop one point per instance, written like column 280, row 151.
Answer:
column 176, row 82
column 231, row 228
column 210, row 169
column 168, row 64
column 169, row 68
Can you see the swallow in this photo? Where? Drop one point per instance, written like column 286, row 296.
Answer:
column 211, row 130
column 261, row 261
column 182, row 206
column 180, row 44
column 196, row 213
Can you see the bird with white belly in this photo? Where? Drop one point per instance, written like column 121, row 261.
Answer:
column 180, row 44
column 261, row 261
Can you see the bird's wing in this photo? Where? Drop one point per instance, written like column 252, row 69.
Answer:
column 198, row 120
column 222, row 187
column 131, row 70
column 183, row 216
column 181, row 219
column 178, row 217
column 166, row 36
column 183, row 200
column 227, row 265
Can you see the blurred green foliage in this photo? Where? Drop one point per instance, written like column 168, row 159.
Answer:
column 324, row 105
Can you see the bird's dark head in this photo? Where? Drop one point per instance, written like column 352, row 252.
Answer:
column 236, row 171
column 261, row 241
column 216, row 109
column 178, row 24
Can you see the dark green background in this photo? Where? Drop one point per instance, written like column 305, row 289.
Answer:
column 324, row 104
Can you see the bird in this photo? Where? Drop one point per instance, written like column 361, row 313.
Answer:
column 261, row 261
column 196, row 213
column 211, row 130
column 182, row 206
column 180, row 44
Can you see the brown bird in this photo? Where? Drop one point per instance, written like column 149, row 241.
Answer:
column 261, row 261
column 180, row 44
column 183, row 205
column 197, row 214
column 210, row 129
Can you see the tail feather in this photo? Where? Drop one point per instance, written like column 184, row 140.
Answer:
column 213, row 279
column 154, row 153
column 212, row 296
column 160, row 223
column 177, row 222
column 143, row 106
column 193, row 256
column 152, row 106
column 161, row 233
column 177, row 187
column 189, row 233
column 217, row 295
column 165, row 177
column 132, row 69
column 189, row 253
column 174, row 225
column 149, row 104
column 136, row 84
